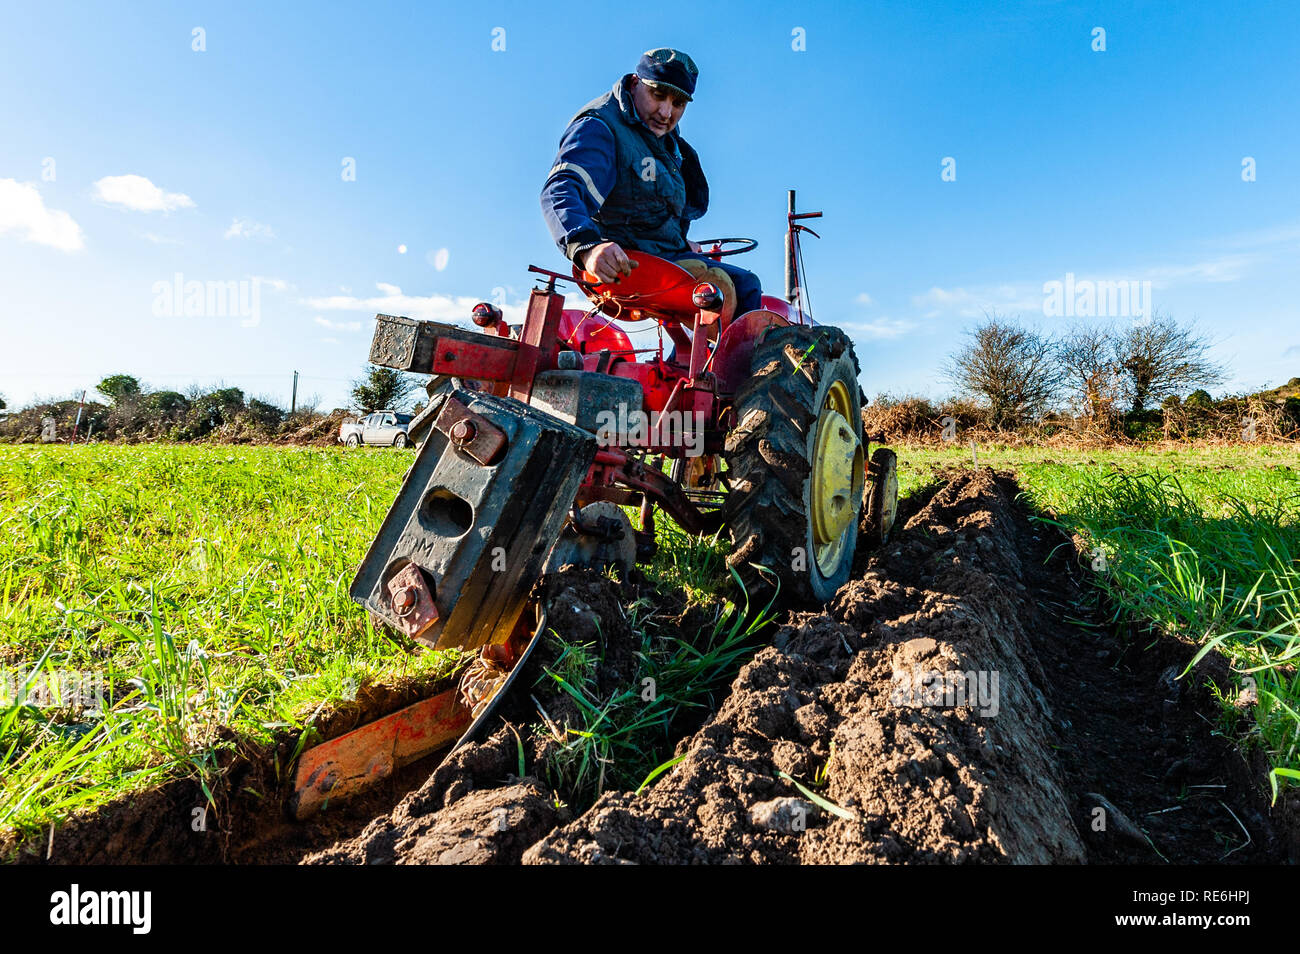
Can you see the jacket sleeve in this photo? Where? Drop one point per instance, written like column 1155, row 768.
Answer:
column 580, row 179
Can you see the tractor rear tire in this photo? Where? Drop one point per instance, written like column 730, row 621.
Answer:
column 795, row 463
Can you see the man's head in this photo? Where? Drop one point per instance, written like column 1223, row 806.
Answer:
column 663, row 84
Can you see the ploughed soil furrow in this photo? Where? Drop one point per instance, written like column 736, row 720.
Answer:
column 1086, row 750
column 961, row 700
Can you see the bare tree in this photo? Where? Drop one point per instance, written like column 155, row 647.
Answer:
column 1162, row 358
column 1011, row 369
column 1091, row 375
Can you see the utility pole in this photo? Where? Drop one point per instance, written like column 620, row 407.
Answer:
column 293, row 401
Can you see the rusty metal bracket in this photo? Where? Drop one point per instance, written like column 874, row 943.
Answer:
column 472, row 433
column 657, row 485
column 412, row 601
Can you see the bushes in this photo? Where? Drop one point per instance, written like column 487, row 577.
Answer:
column 138, row 415
column 1247, row 418
column 914, row 418
column 24, row 426
column 1198, row 417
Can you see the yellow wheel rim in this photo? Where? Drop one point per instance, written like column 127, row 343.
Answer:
column 836, row 482
column 700, row 473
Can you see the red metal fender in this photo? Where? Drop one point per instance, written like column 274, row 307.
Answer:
column 731, row 359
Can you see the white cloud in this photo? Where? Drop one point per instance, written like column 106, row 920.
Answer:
column 338, row 325
column 864, row 299
column 275, row 284
column 879, row 330
column 972, row 303
column 1228, row 268
column 1284, row 235
column 247, row 228
column 438, row 259
column 401, row 250
column 392, row 301
column 1027, row 297
column 139, row 194
column 23, row 210
column 329, row 340
column 159, row 239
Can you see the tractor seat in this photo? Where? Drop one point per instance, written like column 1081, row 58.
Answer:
column 657, row 287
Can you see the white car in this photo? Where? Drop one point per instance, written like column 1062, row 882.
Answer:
column 385, row 428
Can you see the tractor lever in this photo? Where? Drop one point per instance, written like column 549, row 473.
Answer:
column 561, row 277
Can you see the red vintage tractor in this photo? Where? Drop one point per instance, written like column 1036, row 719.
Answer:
column 536, row 440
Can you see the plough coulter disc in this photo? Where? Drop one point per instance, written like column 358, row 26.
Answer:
column 882, row 497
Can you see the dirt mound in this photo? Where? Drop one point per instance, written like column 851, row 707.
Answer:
column 462, row 814
column 320, row 432
column 912, row 706
column 918, row 712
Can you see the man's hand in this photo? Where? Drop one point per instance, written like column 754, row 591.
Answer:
column 695, row 246
column 607, row 261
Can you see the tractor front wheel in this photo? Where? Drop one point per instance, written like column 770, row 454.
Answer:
column 795, row 463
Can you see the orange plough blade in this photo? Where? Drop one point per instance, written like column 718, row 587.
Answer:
column 340, row 767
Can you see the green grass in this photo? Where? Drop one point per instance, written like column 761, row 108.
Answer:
column 1199, row 542
column 621, row 741
column 207, row 585
column 693, row 565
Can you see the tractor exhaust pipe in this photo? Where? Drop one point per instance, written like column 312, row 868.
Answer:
column 791, row 277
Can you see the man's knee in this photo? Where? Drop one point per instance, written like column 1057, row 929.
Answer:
column 749, row 290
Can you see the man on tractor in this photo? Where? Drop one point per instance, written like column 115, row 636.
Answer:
column 625, row 179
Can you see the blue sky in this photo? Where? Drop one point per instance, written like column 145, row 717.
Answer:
column 226, row 165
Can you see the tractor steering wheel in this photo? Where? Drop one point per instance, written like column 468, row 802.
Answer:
column 746, row 245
